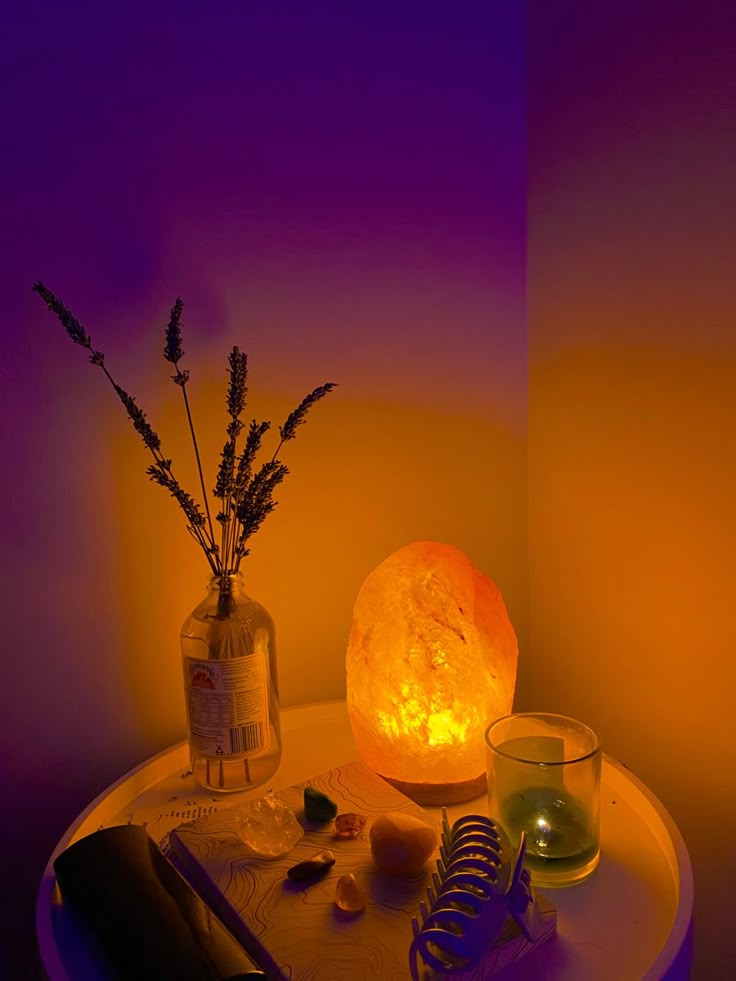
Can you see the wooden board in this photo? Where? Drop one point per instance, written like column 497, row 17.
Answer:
column 295, row 930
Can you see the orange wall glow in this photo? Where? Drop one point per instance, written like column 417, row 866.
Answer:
column 632, row 413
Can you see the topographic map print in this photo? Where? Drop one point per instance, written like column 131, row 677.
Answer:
column 294, row 930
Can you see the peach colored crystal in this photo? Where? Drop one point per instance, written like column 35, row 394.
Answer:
column 349, row 825
column 401, row 843
column 431, row 661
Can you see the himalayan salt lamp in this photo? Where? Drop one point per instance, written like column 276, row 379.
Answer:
column 431, row 661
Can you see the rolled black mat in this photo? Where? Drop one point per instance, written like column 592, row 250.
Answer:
column 145, row 918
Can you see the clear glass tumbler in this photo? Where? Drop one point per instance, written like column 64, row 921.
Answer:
column 544, row 779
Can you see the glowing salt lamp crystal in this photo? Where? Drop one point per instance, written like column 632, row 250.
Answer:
column 431, row 661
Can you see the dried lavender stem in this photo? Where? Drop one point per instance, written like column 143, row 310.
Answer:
column 247, row 497
column 201, row 478
column 164, row 464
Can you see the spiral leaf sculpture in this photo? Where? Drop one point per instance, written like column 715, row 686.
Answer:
column 479, row 883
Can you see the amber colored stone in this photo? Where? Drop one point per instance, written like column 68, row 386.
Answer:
column 349, row 825
column 313, row 867
column 431, row 661
column 348, row 895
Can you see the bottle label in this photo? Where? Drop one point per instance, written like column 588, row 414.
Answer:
column 228, row 705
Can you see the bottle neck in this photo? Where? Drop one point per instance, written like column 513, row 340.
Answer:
column 227, row 590
column 228, row 583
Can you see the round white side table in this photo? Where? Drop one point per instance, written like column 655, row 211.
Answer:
column 631, row 920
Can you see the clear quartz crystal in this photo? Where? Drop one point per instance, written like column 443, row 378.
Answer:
column 231, row 689
column 268, row 827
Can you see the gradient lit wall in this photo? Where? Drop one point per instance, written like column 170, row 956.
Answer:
column 340, row 190
column 632, row 412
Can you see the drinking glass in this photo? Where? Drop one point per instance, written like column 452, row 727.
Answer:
column 544, row 779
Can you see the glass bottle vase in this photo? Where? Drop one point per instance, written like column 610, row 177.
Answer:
column 231, row 689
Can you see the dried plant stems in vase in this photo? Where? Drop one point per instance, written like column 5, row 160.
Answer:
column 228, row 642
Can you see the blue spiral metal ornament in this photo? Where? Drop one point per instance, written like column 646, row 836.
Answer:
column 478, row 884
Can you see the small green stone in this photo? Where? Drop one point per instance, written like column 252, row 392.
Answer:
column 318, row 806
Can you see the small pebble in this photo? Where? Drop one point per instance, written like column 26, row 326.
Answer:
column 318, row 806
column 349, row 825
column 349, row 897
column 313, row 867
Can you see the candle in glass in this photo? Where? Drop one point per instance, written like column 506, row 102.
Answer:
column 544, row 779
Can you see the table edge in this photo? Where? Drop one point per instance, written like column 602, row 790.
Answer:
column 682, row 875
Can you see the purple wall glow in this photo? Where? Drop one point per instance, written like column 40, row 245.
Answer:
column 337, row 188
